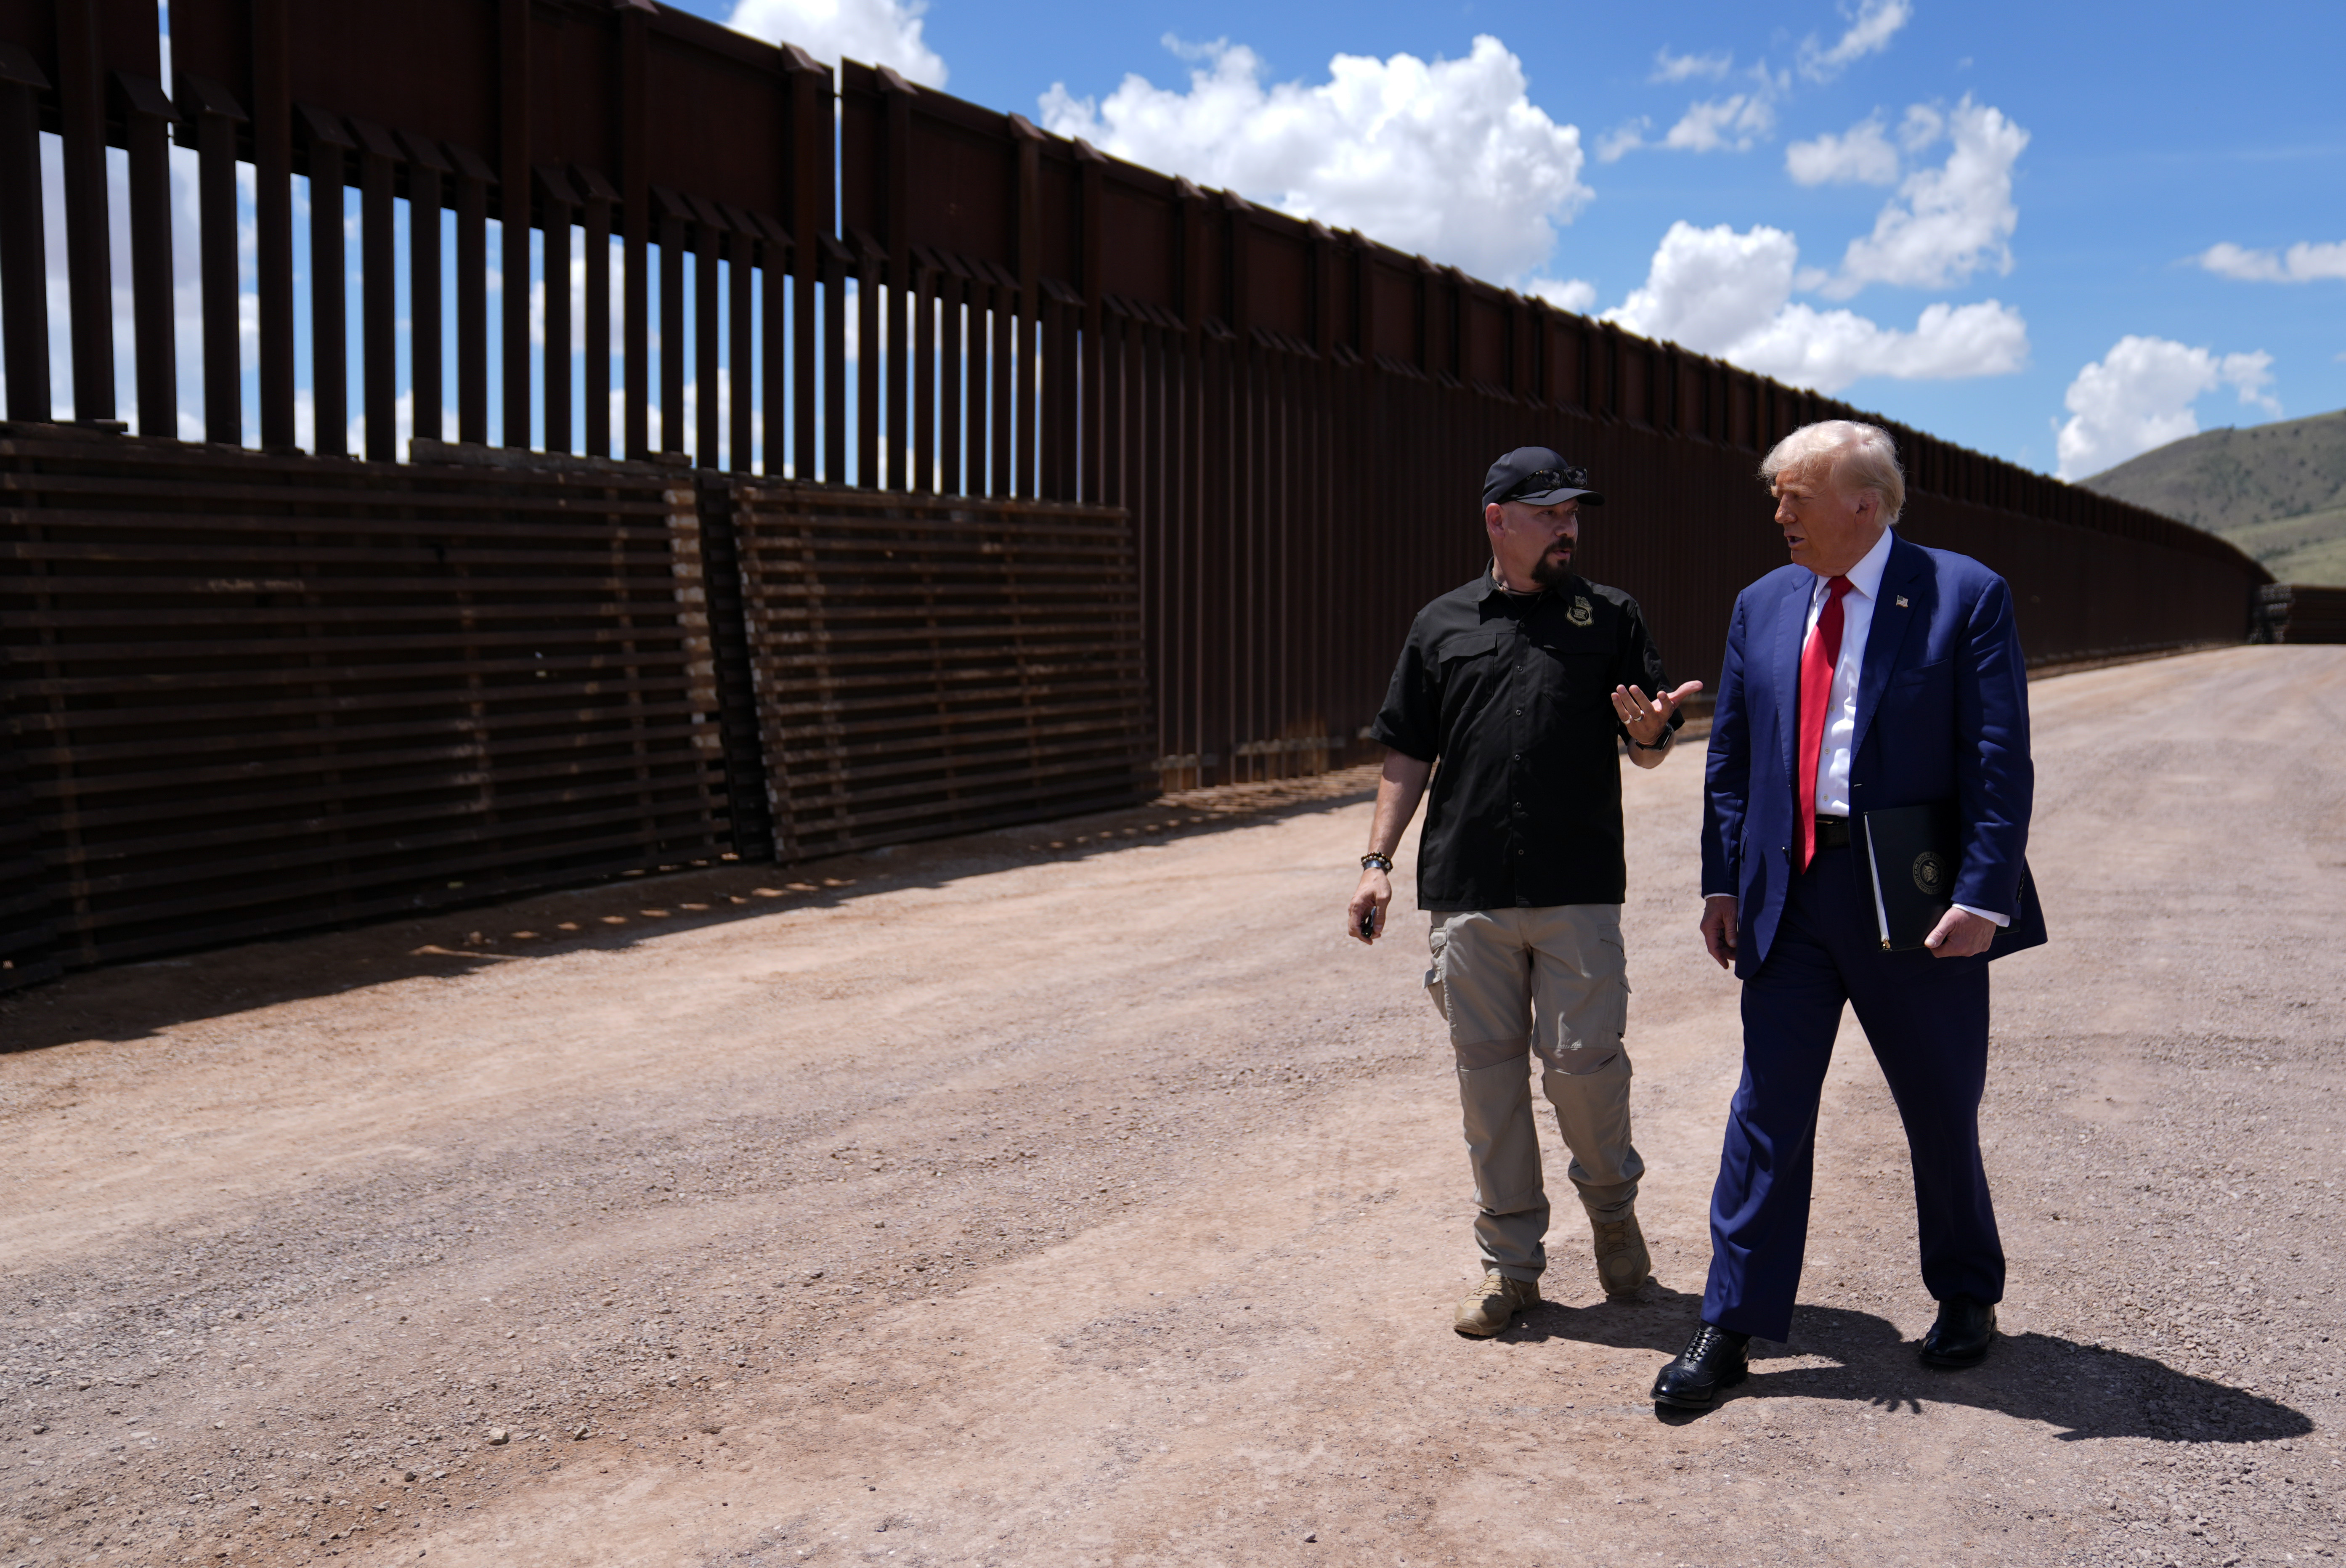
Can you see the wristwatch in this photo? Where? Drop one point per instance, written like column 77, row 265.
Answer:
column 1657, row 745
column 1381, row 862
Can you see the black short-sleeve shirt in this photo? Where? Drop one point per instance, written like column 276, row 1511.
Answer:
column 1511, row 694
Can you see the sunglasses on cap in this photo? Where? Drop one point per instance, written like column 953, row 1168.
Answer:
column 1548, row 479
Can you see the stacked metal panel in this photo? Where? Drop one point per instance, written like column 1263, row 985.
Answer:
column 2299, row 613
column 926, row 666
column 24, row 927
column 253, row 695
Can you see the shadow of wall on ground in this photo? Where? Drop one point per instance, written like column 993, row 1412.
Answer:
column 135, row 1000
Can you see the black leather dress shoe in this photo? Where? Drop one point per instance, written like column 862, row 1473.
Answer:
column 1960, row 1338
column 1713, row 1359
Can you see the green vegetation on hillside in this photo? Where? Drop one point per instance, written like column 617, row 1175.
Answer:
column 2309, row 547
column 2276, row 491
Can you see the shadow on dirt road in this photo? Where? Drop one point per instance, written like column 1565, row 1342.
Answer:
column 2082, row 1389
column 136, row 1001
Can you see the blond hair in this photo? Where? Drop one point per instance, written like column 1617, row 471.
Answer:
column 1863, row 457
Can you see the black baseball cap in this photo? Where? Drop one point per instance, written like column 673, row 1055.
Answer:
column 1537, row 476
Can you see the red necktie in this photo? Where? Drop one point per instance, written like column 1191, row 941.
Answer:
column 1818, row 658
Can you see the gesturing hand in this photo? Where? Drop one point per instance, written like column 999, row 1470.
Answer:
column 1645, row 717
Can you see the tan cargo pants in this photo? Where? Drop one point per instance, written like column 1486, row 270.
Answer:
column 1552, row 982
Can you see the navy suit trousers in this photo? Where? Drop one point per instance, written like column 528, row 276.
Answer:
column 1926, row 1019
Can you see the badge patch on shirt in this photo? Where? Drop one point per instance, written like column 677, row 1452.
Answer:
column 1581, row 613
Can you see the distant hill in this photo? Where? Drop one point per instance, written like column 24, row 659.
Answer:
column 2276, row 491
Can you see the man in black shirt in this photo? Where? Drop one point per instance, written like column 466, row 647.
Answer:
column 1522, row 684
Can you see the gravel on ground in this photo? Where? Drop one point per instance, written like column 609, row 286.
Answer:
column 1080, row 1195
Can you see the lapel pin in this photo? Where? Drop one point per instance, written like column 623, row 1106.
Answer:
column 1901, row 601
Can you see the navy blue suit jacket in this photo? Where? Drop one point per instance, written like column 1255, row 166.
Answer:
column 1941, row 715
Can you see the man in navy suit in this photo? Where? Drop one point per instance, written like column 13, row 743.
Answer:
column 1869, row 674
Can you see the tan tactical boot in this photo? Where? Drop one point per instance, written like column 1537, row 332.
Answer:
column 1491, row 1306
column 1622, row 1263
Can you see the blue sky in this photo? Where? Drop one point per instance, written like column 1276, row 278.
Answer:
column 2049, row 180
column 2062, row 234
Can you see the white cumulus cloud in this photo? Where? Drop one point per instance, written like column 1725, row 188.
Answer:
column 2301, row 263
column 1734, row 123
column 876, row 31
column 1445, row 157
column 1669, row 67
column 1573, row 295
column 1730, row 294
column 1720, row 124
column 1871, row 27
column 1924, row 124
column 2140, row 394
column 1711, row 289
column 1827, row 350
column 1945, row 223
column 1623, row 139
column 1860, row 155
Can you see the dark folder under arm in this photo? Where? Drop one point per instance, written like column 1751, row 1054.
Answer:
column 1913, row 854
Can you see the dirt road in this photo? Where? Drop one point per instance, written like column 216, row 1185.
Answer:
column 1081, row 1195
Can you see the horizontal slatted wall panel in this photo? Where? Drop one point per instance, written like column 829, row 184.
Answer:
column 930, row 665
column 2294, row 613
column 253, row 695
column 25, row 929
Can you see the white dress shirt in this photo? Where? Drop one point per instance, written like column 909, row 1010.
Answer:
column 1857, row 608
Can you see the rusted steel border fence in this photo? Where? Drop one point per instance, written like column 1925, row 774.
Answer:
column 747, row 262
column 2297, row 613
column 243, row 695
column 254, row 694
column 925, row 665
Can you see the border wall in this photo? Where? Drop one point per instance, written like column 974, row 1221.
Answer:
column 753, row 320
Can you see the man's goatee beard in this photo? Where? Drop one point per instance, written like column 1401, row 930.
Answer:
column 1552, row 571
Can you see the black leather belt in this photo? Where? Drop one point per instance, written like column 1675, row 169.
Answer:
column 1832, row 832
